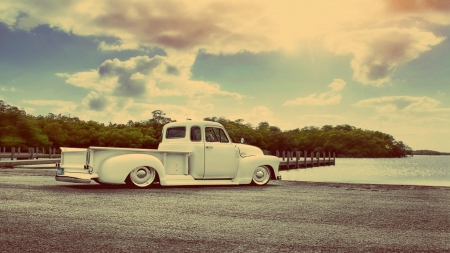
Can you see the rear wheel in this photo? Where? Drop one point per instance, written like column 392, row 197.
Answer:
column 142, row 176
column 261, row 176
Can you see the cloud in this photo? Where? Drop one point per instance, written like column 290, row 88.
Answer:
column 10, row 89
column 119, row 46
column 59, row 106
column 116, row 86
column 219, row 26
column 434, row 11
column 216, row 26
column 332, row 97
column 378, row 52
column 130, row 75
column 402, row 103
column 95, row 101
column 143, row 76
column 256, row 115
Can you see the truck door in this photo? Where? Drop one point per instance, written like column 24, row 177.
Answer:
column 220, row 154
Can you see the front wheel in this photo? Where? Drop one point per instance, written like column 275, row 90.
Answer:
column 142, row 176
column 261, row 176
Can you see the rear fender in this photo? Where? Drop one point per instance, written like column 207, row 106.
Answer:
column 115, row 170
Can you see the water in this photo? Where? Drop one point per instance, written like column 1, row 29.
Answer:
column 417, row 170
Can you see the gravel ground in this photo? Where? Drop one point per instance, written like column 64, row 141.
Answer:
column 38, row 214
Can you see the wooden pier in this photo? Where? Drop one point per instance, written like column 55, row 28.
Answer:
column 299, row 159
column 32, row 157
column 288, row 160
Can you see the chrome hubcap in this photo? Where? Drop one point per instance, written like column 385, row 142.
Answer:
column 261, row 175
column 141, row 173
column 142, row 176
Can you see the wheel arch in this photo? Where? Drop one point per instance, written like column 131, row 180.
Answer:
column 247, row 166
column 272, row 172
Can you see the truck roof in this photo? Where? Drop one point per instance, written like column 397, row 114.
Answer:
column 193, row 123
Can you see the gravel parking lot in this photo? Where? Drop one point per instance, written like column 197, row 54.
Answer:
column 39, row 214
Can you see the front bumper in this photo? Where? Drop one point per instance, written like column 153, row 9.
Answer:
column 73, row 177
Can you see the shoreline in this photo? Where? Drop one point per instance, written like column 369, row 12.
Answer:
column 50, row 171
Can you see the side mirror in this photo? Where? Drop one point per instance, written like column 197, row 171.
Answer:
column 242, row 140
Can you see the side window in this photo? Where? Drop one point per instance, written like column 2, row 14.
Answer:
column 210, row 135
column 175, row 132
column 196, row 133
column 215, row 135
column 222, row 135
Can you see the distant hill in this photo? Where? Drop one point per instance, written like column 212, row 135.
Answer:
column 428, row 152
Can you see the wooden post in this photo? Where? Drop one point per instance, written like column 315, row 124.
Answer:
column 318, row 158
column 305, row 154
column 288, row 159
column 334, row 158
column 312, row 158
column 284, row 155
column 54, row 151
column 32, row 153
column 50, row 152
column 278, row 153
column 297, row 157
column 13, row 150
column 323, row 158
column 329, row 158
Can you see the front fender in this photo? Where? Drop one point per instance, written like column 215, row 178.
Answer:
column 115, row 170
column 247, row 166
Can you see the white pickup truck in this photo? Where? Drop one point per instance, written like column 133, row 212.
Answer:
column 191, row 153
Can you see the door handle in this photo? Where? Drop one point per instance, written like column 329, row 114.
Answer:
column 209, row 147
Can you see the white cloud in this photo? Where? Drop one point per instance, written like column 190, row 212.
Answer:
column 394, row 111
column 378, row 52
column 145, row 77
column 94, row 101
column 59, row 106
column 256, row 115
column 216, row 26
column 430, row 10
column 10, row 89
column 390, row 104
column 175, row 112
column 332, row 97
column 116, row 86
column 119, row 46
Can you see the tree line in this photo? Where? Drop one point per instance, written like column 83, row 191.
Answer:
column 19, row 129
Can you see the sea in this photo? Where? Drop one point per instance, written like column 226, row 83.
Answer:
column 416, row 170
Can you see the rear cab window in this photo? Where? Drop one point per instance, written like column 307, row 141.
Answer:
column 176, row 132
column 196, row 133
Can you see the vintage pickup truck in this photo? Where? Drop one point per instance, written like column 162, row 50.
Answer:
column 191, row 153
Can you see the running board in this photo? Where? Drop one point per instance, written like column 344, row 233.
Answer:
column 175, row 180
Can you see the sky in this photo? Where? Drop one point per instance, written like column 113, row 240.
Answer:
column 376, row 65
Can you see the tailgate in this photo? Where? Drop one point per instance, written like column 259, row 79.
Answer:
column 71, row 168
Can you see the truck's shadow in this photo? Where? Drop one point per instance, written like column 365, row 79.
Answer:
column 95, row 186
